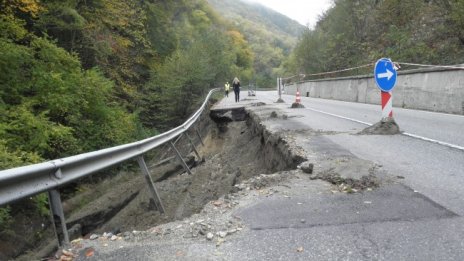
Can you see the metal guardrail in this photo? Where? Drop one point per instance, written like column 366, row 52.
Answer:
column 21, row 182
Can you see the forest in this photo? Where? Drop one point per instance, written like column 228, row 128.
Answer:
column 72, row 72
column 271, row 36
column 359, row 32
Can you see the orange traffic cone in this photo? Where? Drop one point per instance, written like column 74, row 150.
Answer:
column 298, row 98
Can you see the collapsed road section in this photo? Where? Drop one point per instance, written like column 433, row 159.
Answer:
column 236, row 148
column 363, row 212
column 246, row 158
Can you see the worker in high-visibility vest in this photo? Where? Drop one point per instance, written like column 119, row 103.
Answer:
column 226, row 89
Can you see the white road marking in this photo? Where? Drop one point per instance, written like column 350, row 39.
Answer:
column 403, row 133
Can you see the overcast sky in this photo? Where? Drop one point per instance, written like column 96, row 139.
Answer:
column 304, row 11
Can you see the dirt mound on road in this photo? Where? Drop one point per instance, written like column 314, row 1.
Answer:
column 386, row 126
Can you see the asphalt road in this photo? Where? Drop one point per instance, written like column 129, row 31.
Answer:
column 435, row 170
column 418, row 216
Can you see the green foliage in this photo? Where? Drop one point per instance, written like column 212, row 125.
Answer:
column 269, row 38
column 352, row 33
column 50, row 107
column 41, row 203
column 15, row 157
column 184, row 79
column 159, row 32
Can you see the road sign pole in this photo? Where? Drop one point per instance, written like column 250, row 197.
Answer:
column 387, row 105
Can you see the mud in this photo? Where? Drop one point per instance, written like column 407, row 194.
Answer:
column 386, row 126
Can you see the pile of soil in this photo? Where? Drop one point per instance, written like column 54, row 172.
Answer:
column 386, row 126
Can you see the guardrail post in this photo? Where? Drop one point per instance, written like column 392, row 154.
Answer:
column 199, row 136
column 193, row 146
column 59, row 223
column 151, row 186
column 180, row 158
column 167, row 151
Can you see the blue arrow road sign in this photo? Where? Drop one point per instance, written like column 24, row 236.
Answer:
column 385, row 74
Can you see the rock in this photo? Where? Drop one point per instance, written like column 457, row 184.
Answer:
column 273, row 114
column 209, row 236
column 220, row 241
column 222, row 234
column 307, row 167
column 93, row 236
column 113, row 237
column 128, row 235
column 155, row 230
column 89, row 252
column 202, row 232
column 66, row 255
column 76, row 241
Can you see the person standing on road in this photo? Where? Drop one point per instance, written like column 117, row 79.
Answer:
column 236, row 86
column 226, row 89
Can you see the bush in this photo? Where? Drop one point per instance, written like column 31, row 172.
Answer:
column 41, row 204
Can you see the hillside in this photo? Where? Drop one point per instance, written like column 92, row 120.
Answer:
column 354, row 33
column 271, row 35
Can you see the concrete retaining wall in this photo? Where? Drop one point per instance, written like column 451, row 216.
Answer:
column 432, row 90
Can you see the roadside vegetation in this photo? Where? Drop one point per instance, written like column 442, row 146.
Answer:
column 354, row 33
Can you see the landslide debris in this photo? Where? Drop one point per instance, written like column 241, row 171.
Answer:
column 236, row 149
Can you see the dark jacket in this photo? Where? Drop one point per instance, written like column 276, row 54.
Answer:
column 236, row 86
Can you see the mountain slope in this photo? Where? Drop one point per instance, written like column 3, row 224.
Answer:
column 270, row 34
